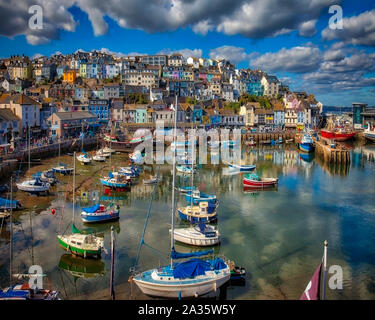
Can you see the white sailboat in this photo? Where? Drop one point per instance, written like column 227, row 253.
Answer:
column 200, row 235
column 85, row 245
column 194, row 277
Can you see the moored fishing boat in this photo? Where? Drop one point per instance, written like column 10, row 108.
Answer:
column 337, row 134
column 100, row 213
column 115, row 181
column 306, row 144
column 197, row 213
column 33, row 186
column 108, row 150
column 196, row 196
column 200, row 235
column 253, row 180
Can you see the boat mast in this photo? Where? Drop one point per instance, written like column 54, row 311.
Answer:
column 74, row 182
column 28, row 133
column 11, row 233
column 192, row 168
column 174, row 177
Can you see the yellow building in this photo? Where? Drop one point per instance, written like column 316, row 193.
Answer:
column 70, row 76
column 82, row 70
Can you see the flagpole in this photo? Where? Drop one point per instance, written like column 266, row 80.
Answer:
column 325, row 269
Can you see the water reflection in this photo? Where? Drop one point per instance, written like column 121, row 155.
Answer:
column 276, row 235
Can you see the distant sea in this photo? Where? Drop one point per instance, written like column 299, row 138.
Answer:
column 336, row 109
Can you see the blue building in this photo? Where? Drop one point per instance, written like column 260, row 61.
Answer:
column 254, row 87
column 60, row 71
column 91, row 70
column 100, row 108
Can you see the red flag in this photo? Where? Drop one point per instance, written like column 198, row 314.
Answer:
column 312, row 291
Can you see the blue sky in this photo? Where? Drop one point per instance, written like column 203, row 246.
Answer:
column 290, row 40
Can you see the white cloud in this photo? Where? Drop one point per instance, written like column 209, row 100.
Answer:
column 297, row 59
column 197, row 53
column 250, row 18
column 231, row 53
column 357, row 30
column 307, row 29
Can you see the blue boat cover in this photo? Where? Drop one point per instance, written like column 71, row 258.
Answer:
column 91, row 209
column 37, row 175
column 6, row 202
column 180, row 255
column 191, row 269
column 16, row 294
column 202, row 226
column 110, row 175
column 253, row 176
column 218, row 264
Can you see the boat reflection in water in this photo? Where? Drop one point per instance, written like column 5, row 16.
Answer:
column 82, row 268
column 101, row 228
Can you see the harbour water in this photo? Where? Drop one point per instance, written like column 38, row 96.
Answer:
column 276, row 235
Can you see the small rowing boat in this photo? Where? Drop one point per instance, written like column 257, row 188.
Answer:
column 253, row 180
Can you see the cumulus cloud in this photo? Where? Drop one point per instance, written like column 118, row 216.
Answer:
column 297, row 60
column 307, row 29
column 345, row 69
column 196, row 53
column 14, row 19
column 231, row 53
column 251, row 18
column 357, row 30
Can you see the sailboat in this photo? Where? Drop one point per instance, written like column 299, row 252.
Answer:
column 193, row 277
column 62, row 168
column 23, row 291
column 100, row 213
column 35, row 185
column 84, row 158
column 86, row 245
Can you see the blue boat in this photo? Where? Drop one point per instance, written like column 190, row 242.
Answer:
column 197, row 196
column 6, row 204
column 242, row 168
column 197, row 214
column 115, row 181
column 62, row 169
column 100, row 213
column 307, row 143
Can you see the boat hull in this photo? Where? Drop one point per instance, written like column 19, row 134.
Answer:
column 99, row 218
column 195, row 239
column 113, row 185
column 370, row 137
column 78, row 251
column 179, row 290
column 242, row 168
column 306, row 147
column 196, row 219
column 260, row 184
column 336, row 135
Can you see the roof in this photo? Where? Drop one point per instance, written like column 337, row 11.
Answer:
column 74, row 115
column 8, row 115
column 19, row 99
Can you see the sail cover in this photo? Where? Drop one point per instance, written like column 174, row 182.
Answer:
column 191, row 268
column 180, row 255
column 91, row 209
column 218, row 264
column 8, row 203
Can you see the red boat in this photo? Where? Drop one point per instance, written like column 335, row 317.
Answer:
column 337, row 135
column 253, row 180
